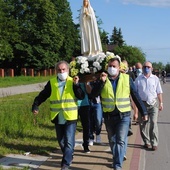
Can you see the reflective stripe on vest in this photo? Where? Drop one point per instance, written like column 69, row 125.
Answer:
column 122, row 100
column 64, row 109
column 67, row 103
column 63, row 101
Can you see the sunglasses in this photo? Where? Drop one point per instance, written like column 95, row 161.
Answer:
column 146, row 66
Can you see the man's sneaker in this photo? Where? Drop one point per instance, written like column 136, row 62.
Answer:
column 65, row 167
column 86, row 149
column 98, row 139
column 90, row 142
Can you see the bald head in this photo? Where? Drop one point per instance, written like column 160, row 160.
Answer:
column 138, row 65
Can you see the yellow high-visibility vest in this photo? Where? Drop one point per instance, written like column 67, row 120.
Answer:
column 67, row 103
column 121, row 99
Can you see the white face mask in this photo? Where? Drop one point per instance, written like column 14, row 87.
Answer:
column 112, row 71
column 62, row 76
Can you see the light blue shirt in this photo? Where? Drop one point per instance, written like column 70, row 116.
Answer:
column 148, row 88
column 85, row 101
column 61, row 85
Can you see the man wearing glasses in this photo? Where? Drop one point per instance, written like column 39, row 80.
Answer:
column 150, row 91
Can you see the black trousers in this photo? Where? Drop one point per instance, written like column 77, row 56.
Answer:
column 83, row 113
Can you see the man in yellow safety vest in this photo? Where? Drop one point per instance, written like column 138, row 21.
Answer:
column 63, row 92
column 115, row 89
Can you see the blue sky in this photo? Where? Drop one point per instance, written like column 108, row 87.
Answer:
column 144, row 23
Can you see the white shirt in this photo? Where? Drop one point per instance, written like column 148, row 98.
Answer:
column 148, row 88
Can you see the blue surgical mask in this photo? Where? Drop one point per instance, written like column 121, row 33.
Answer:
column 146, row 70
column 139, row 71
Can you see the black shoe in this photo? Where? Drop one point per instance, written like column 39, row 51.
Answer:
column 124, row 158
column 154, row 148
column 146, row 146
column 136, row 123
column 86, row 149
column 130, row 132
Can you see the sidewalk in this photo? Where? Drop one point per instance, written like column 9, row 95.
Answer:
column 100, row 157
column 8, row 91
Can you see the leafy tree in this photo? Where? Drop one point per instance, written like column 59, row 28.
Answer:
column 77, row 46
column 67, row 28
column 117, row 37
column 167, row 67
column 8, row 32
column 43, row 39
column 130, row 53
column 40, row 38
column 104, row 39
column 157, row 66
column 47, row 33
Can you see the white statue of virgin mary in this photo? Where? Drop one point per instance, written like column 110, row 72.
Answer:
column 90, row 38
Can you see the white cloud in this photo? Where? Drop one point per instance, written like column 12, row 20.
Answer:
column 154, row 3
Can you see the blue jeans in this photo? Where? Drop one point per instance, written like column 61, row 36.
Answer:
column 117, row 128
column 96, row 116
column 66, row 140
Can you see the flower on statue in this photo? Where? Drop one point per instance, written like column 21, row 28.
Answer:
column 123, row 66
column 84, row 65
column 108, row 56
column 96, row 66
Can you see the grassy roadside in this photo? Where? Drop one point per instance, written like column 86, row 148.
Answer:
column 22, row 80
column 21, row 131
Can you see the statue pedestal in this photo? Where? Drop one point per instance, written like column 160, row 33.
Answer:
column 89, row 77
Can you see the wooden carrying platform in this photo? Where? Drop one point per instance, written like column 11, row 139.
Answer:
column 89, row 77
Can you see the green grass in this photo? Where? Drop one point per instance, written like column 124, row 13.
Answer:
column 22, row 80
column 21, row 131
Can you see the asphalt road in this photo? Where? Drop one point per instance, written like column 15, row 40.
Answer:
column 160, row 159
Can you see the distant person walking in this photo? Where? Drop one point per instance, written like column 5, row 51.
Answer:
column 63, row 92
column 150, row 91
column 138, row 71
column 163, row 73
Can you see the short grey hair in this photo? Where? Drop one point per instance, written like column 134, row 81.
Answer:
column 147, row 62
column 62, row 62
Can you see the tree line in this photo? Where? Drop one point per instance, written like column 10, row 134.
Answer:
column 37, row 34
